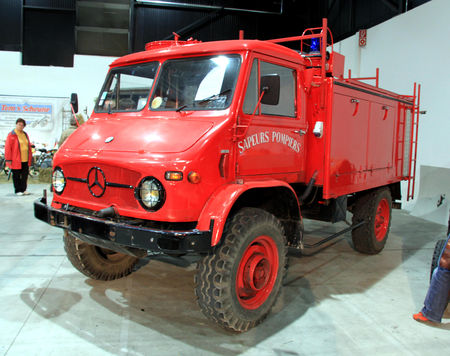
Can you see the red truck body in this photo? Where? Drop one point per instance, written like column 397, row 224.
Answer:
column 284, row 133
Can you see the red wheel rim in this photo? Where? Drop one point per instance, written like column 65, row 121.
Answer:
column 382, row 220
column 257, row 272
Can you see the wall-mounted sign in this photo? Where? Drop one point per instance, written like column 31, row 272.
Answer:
column 362, row 38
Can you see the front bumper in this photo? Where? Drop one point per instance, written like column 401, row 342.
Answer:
column 123, row 237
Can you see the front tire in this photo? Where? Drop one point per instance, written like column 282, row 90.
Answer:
column 375, row 208
column 96, row 262
column 237, row 284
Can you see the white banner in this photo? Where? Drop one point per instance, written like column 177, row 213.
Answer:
column 46, row 117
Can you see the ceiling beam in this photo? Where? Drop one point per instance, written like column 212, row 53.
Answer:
column 397, row 9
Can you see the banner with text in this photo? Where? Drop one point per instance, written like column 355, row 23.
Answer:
column 45, row 117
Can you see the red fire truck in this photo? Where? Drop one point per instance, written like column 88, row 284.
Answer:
column 213, row 153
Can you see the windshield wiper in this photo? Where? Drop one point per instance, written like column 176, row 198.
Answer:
column 181, row 108
column 214, row 97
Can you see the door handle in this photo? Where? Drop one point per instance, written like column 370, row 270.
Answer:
column 356, row 102
column 386, row 109
column 300, row 132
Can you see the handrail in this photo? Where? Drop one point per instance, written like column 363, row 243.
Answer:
column 320, row 33
column 376, row 78
column 309, row 33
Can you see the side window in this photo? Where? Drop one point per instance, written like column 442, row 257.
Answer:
column 286, row 104
column 251, row 96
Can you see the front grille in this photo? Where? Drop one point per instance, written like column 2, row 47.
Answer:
column 120, row 184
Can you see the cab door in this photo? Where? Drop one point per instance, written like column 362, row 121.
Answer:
column 272, row 141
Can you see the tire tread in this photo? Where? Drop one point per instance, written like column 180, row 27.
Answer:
column 85, row 259
column 363, row 236
column 213, row 279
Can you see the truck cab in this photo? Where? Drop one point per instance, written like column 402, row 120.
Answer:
column 172, row 123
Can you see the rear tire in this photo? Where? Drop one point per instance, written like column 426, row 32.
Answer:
column 375, row 208
column 237, row 284
column 440, row 245
column 96, row 262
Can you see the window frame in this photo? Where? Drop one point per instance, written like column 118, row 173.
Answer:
column 278, row 62
column 204, row 56
column 110, row 77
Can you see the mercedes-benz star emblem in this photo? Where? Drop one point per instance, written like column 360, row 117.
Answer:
column 96, row 182
column 109, row 139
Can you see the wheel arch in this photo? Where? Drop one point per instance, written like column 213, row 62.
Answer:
column 275, row 197
column 394, row 190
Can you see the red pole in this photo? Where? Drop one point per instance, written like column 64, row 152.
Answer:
column 323, row 54
column 415, row 142
column 411, row 137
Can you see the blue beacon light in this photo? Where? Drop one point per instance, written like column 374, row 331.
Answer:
column 315, row 45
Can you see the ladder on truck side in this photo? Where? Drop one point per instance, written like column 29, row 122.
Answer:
column 407, row 135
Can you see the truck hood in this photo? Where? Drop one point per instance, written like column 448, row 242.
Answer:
column 155, row 135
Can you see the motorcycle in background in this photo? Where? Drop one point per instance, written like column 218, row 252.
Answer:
column 41, row 161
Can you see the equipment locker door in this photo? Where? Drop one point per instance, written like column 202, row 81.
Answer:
column 348, row 148
column 274, row 139
column 381, row 144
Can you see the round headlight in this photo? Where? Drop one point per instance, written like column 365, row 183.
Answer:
column 151, row 193
column 58, row 180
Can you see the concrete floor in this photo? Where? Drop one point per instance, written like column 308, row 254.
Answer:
column 338, row 302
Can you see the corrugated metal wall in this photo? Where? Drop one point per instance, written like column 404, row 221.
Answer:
column 10, row 25
column 117, row 27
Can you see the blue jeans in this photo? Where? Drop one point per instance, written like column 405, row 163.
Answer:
column 438, row 294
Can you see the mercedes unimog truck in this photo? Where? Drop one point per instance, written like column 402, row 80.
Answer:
column 213, row 153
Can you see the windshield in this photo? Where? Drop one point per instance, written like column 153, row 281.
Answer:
column 202, row 83
column 127, row 88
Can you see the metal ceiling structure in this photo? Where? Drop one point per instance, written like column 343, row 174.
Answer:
column 50, row 32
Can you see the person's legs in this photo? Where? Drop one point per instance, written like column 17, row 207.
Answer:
column 16, row 174
column 24, row 178
column 438, row 293
column 437, row 297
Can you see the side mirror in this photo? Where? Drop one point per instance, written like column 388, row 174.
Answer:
column 74, row 102
column 270, row 85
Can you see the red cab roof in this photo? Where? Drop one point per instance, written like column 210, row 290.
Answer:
column 172, row 49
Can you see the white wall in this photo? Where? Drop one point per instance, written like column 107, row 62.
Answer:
column 413, row 47
column 85, row 78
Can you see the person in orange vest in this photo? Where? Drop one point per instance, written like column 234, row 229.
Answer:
column 18, row 156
